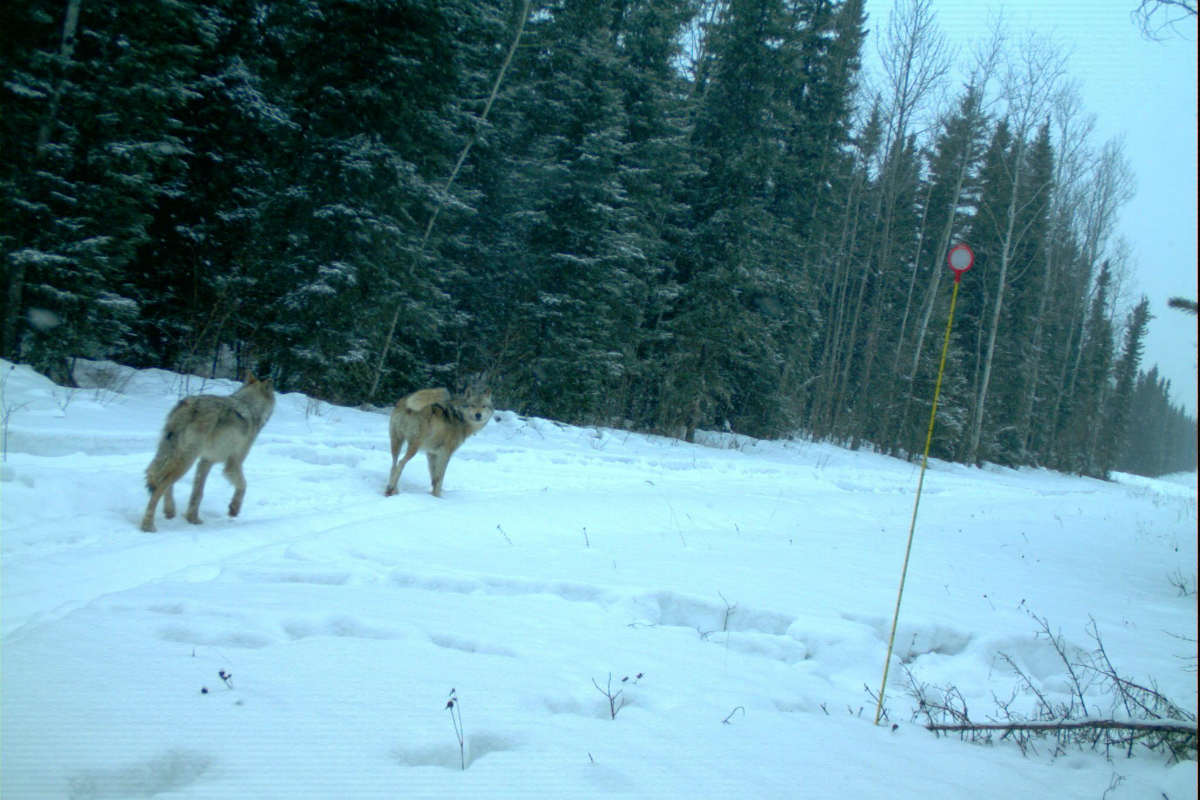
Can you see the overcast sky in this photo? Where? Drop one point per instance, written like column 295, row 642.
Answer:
column 1139, row 89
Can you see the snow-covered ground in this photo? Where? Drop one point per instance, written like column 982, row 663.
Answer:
column 751, row 585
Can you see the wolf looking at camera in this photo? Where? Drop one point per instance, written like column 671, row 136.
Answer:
column 435, row 421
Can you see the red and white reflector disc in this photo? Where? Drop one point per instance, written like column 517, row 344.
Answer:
column 960, row 258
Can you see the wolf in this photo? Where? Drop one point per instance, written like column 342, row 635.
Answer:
column 437, row 422
column 211, row 428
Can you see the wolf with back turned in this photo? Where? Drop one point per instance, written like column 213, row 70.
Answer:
column 437, row 422
column 210, row 428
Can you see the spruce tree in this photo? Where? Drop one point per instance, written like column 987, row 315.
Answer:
column 950, row 195
column 1092, row 390
column 978, row 296
column 1117, row 415
column 367, row 89
column 210, row 240
column 566, row 292
column 655, row 171
column 1021, row 379
column 1164, row 440
column 93, row 146
column 770, row 98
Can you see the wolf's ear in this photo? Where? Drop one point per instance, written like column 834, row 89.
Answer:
column 250, row 379
column 476, row 385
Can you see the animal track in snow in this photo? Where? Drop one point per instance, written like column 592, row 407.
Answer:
column 447, row 756
column 170, row 772
column 241, row 639
column 168, row 608
column 342, row 627
column 779, row 648
column 323, row 456
column 487, row 456
column 572, row 592
column 311, row 577
column 914, row 641
column 706, row 616
column 937, row 640
column 655, row 608
column 1035, row 656
column 447, row 642
column 750, row 631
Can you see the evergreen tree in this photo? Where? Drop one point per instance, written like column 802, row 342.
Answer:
column 887, row 276
column 772, row 96
column 1117, row 416
column 93, row 145
column 978, row 296
column 1165, row 438
column 841, row 262
column 950, row 196
column 913, row 59
column 657, row 168
column 368, row 89
column 1020, row 380
column 210, row 240
column 573, row 274
column 1092, row 390
column 344, row 195
column 723, row 347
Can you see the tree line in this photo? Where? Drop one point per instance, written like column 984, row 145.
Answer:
column 658, row 214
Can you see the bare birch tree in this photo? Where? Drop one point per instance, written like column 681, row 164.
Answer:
column 838, row 286
column 1108, row 186
column 916, row 60
column 1071, row 131
column 1031, row 78
column 972, row 107
column 985, row 64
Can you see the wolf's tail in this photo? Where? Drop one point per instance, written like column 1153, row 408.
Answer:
column 170, row 455
column 424, row 398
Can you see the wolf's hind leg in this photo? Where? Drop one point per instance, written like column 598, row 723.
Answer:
column 160, row 479
column 398, row 466
column 169, row 501
column 148, row 517
column 233, row 471
column 397, row 441
column 193, row 511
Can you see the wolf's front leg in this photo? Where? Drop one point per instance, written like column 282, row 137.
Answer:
column 438, row 459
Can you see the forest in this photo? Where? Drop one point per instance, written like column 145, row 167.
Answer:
column 660, row 215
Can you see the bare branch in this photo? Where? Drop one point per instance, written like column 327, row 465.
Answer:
column 1185, row 729
column 916, row 59
column 1140, row 715
column 1157, row 17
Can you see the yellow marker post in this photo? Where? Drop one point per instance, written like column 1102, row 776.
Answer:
column 960, row 258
